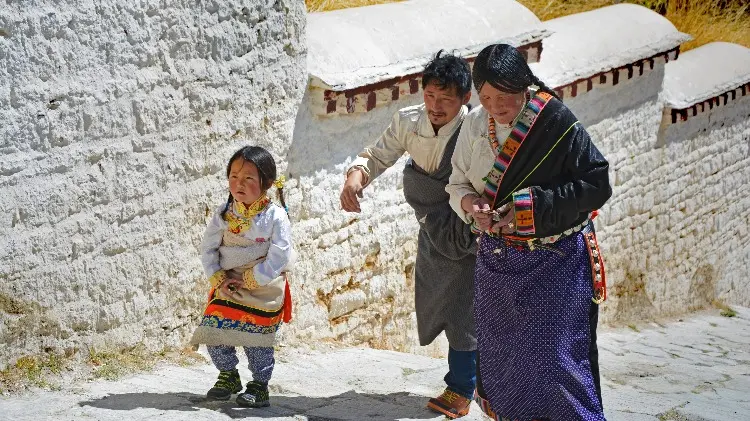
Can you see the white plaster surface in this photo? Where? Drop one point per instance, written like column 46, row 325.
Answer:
column 706, row 72
column 584, row 44
column 355, row 270
column 697, row 369
column 611, row 101
column 117, row 121
column 358, row 46
column 674, row 240
column 675, row 232
column 736, row 112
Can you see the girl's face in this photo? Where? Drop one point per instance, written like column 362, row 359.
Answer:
column 244, row 181
column 502, row 106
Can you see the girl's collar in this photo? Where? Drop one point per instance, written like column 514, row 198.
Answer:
column 249, row 211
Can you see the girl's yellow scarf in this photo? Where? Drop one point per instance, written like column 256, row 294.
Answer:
column 240, row 218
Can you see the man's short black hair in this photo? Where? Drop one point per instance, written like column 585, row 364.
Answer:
column 447, row 70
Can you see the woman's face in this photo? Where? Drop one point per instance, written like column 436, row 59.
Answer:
column 502, row 106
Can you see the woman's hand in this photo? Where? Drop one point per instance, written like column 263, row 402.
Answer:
column 479, row 209
column 506, row 223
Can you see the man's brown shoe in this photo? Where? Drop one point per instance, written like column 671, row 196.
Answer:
column 451, row 404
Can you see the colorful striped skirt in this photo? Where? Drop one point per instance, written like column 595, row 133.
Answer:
column 251, row 322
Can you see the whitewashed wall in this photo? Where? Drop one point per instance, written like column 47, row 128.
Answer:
column 353, row 281
column 117, row 120
column 675, row 234
column 660, row 260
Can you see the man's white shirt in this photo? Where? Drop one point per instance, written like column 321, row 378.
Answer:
column 410, row 131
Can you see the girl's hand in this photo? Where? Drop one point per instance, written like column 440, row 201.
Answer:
column 230, row 286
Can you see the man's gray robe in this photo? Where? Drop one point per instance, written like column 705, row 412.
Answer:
column 444, row 269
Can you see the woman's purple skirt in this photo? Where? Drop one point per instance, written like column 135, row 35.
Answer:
column 532, row 317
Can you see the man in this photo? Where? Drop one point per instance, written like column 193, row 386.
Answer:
column 446, row 248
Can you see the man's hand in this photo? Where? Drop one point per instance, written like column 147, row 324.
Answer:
column 352, row 191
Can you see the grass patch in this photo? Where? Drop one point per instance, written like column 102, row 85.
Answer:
column 550, row 9
column 672, row 415
column 669, row 415
column 711, row 20
column 44, row 371
column 32, row 371
column 111, row 365
column 726, row 311
column 14, row 306
column 706, row 20
column 406, row 371
column 185, row 357
column 634, row 328
column 326, row 5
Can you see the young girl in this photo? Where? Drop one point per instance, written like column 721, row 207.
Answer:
column 245, row 251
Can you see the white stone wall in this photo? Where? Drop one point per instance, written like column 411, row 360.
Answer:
column 675, row 233
column 117, row 121
column 353, row 280
column 607, row 100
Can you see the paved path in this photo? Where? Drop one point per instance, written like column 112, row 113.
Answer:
column 697, row 369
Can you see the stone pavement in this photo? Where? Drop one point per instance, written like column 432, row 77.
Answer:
column 694, row 369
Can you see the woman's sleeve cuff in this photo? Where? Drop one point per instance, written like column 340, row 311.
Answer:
column 523, row 206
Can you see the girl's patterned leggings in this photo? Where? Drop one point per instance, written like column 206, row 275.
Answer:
column 260, row 360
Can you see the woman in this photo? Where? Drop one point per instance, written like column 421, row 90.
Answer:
column 528, row 177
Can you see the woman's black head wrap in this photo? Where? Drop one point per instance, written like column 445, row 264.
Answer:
column 505, row 69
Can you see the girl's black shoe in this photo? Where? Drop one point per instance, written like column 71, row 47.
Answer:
column 229, row 382
column 255, row 396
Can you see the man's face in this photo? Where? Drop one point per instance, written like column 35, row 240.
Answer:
column 442, row 104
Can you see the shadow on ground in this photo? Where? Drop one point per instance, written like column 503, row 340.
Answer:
column 346, row 406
